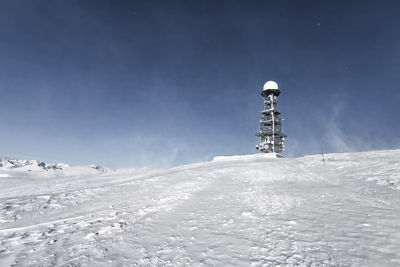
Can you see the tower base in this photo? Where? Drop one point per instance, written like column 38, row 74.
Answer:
column 272, row 155
column 249, row 157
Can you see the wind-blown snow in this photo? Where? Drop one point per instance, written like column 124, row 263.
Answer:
column 241, row 211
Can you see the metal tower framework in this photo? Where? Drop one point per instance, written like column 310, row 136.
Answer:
column 271, row 136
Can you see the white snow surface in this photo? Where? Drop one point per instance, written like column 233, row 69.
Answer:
column 239, row 211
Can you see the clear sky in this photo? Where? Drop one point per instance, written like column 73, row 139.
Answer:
column 164, row 83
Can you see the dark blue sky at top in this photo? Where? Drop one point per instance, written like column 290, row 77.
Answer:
column 164, row 83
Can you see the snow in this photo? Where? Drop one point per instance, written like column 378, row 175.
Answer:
column 259, row 156
column 30, row 164
column 271, row 85
column 250, row 210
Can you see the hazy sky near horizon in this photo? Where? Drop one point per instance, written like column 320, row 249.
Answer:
column 164, row 83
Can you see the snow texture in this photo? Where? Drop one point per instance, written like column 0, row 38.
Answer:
column 234, row 211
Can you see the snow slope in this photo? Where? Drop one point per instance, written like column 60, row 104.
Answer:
column 234, row 211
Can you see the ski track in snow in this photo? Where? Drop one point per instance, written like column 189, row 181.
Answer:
column 247, row 212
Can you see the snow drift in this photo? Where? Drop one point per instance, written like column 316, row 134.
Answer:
column 237, row 211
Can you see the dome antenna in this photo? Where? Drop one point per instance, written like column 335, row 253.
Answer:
column 271, row 136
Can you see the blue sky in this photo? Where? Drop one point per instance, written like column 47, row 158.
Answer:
column 164, row 83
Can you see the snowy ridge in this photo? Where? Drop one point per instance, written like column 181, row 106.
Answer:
column 13, row 171
column 381, row 167
column 259, row 156
column 233, row 211
column 14, row 163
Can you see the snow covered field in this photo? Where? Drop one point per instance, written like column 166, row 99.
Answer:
column 233, row 211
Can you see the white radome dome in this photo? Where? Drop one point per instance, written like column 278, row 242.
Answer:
column 270, row 85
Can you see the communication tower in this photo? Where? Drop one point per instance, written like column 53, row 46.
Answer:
column 271, row 136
